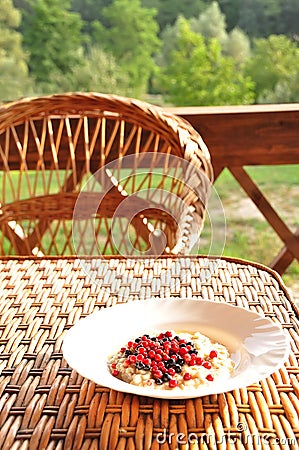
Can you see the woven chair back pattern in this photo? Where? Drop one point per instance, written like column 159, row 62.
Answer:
column 52, row 146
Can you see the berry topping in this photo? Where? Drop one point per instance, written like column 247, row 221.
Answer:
column 164, row 356
column 187, row 376
column 173, row 383
column 207, row 364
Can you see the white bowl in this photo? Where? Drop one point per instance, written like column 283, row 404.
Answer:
column 258, row 346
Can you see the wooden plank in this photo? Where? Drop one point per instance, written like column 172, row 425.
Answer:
column 284, row 258
column 247, row 135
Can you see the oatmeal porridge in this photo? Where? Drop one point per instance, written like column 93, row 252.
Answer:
column 169, row 359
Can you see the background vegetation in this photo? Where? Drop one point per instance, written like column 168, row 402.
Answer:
column 177, row 52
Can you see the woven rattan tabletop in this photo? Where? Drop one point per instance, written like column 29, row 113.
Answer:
column 44, row 404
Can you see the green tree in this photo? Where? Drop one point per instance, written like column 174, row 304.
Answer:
column 259, row 18
column 90, row 10
column 198, row 74
column 238, row 46
column 288, row 20
column 231, row 10
column 286, row 91
column 274, row 61
column 211, row 23
column 132, row 38
column 99, row 73
column 52, row 35
column 169, row 10
column 14, row 78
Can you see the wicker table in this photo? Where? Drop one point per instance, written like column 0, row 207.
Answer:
column 44, row 404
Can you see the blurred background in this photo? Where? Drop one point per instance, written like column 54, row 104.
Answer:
column 170, row 53
column 177, row 52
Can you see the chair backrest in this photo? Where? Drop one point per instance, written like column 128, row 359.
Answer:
column 123, row 167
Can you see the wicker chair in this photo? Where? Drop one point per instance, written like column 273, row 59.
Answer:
column 52, row 146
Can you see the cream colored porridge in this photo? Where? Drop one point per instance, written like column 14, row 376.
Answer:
column 169, row 359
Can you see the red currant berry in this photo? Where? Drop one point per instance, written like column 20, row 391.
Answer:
column 132, row 359
column 213, row 354
column 210, row 377
column 171, row 371
column 187, row 358
column 115, row 372
column 147, row 361
column 151, row 354
column 183, row 351
column 157, row 374
column 139, row 357
column 113, row 366
column 207, row 364
column 158, row 358
column 173, row 383
column 199, row 361
column 187, row 376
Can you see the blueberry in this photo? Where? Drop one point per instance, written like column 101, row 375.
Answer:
column 158, row 381
column 177, row 368
column 139, row 365
column 137, row 340
column 180, row 361
column 166, row 377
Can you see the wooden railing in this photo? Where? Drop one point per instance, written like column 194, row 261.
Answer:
column 240, row 136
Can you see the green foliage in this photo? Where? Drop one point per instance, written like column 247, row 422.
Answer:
column 99, row 73
column 274, row 66
column 288, row 18
column 198, row 74
column 132, row 38
column 115, row 46
column 211, row 23
column 169, row 10
column 90, row 10
column 52, row 35
column 231, row 10
column 14, row 79
column 259, row 18
column 237, row 46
